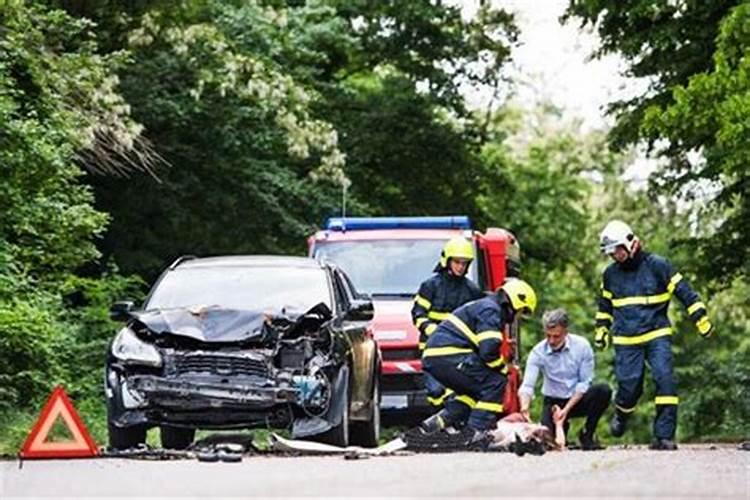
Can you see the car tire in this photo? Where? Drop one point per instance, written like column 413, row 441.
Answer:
column 367, row 433
column 176, row 438
column 122, row 438
column 339, row 434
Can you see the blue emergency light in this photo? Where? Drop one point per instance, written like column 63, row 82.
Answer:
column 355, row 223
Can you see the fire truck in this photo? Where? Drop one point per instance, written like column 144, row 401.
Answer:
column 388, row 258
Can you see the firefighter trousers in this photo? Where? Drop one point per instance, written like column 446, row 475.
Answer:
column 478, row 389
column 629, row 371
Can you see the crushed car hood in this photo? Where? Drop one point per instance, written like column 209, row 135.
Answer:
column 207, row 324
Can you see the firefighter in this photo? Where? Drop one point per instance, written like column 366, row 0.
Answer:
column 463, row 354
column 446, row 290
column 635, row 294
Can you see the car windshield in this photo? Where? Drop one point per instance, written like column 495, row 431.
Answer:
column 386, row 267
column 291, row 289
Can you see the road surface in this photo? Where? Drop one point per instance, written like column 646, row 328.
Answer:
column 692, row 472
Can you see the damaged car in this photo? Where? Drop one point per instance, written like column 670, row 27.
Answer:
column 243, row 342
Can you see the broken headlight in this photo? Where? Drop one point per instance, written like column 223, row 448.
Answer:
column 129, row 348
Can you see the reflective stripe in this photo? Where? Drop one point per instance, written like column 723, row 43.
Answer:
column 430, row 328
column 673, row 282
column 695, row 307
column 440, row 316
column 467, row 400
column 642, row 300
column 487, row 406
column 666, row 400
column 422, row 301
column 420, row 321
column 606, row 294
column 489, row 334
column 439, row 401
column 641, row 339
column 422, row 345
column 603, row 315
column 445, row 351
column 625, row 410
column 496, row 363
column 464, row 329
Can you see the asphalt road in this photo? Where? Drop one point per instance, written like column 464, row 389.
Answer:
column 692, row 472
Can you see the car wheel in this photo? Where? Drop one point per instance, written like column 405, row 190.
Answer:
column 368, row 433
column 339, row 434
column 121, row 438
column 176, row 438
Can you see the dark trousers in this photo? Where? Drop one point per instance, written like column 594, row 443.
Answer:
column 592, row 406
column 629, row 370
column 478, row 389
column 436, row 392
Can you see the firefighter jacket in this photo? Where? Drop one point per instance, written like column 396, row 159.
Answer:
column 635, row 297
column 475, row 327
column 438, row 297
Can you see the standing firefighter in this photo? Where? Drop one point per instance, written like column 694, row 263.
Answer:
column 635, row 295
column 448, row 289
column 464, row 355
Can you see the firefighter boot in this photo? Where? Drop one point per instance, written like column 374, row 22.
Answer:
column 663, row 444
column 617, row 424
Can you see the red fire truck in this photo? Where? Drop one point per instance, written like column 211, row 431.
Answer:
column 388, row 258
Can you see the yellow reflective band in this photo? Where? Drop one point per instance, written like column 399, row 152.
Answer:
column 464, row 329
column 603, row 315
column 422, row 301
column 673, row 282
column 496, row 363
column 625, row 410
column 422, row 345
column 606, row 294
column 440, row 316
column 439, row 401
column 420, row 321
column 445, row 351
column 487, row 406
column 467, row 400
column 488, row 335
column 695, row 307
column 430, row 328
column 666, row 400
column 641, row 339
column 642, row 300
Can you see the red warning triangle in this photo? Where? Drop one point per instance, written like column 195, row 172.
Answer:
column 58, row 405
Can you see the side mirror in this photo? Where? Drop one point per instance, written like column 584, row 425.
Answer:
column 360, row 310
column 120, row 311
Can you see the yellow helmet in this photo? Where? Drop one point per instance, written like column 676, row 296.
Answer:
column 457, row 247
column 522, row 296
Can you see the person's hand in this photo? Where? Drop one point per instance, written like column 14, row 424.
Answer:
column 705, row 327
column 602, row 338
column 558, row 414
column 526, row 415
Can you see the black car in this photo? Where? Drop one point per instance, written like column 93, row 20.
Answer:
column 245, row 342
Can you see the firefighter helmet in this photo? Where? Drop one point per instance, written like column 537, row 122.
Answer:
column 456, row 248
column 522, row 296
column 616, row 233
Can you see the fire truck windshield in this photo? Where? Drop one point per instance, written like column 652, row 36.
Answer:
column 386, row 267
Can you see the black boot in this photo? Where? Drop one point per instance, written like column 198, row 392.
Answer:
column 617, row 424
column 663, row 444
column 588, row 442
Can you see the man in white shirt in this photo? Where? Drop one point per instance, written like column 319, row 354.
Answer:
column 566, row 362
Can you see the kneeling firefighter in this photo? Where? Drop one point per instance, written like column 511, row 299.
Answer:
column 438, row 296
column 464, row 355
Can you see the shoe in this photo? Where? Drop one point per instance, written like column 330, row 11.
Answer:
column 617, row 425
column 663, row 444
column 478, row 439
column 588, row 443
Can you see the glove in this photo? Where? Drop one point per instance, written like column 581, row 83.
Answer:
column 602, row 337
column 705, row 327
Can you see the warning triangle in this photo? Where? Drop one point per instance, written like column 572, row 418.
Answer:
column 58, row 406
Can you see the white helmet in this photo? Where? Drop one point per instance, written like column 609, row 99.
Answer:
column 616, row 233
